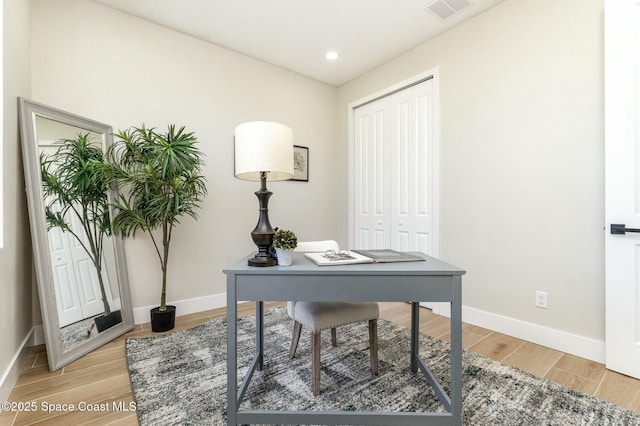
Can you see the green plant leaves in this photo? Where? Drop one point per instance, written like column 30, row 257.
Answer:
column 159, row 178
column 285, row 239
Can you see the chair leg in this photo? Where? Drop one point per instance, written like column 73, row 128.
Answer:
column 334, row 339
column 373, row 345
column 297, row 329
column 315, row 362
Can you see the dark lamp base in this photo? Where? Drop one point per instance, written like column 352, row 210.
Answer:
column 262, row 261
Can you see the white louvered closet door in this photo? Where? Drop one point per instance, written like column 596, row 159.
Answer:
column 395, row 172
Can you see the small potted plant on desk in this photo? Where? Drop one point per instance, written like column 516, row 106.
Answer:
column 284, row 241
column 159, row 173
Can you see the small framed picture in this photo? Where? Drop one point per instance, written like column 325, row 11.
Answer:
column 300, row 163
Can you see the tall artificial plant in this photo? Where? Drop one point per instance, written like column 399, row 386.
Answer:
column 74, row 185
column 159, row 178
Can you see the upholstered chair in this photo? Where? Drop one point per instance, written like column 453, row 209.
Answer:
column 318, row 316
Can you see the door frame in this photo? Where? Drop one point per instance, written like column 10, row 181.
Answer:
column 432, row 74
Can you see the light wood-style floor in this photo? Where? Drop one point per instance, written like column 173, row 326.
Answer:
column 100, row 378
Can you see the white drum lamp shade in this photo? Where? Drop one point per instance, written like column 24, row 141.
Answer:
column 263, row 146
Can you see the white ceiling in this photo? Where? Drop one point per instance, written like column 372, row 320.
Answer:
column 296, row 34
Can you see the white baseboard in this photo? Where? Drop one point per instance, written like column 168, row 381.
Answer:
column 10, row 375
column 38, row 335
column 184, row 307
column 573, row 344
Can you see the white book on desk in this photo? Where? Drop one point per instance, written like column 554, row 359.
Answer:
column 361, row 256
column 343, row 258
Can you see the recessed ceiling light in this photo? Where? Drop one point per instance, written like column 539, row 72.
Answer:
column 332, row 56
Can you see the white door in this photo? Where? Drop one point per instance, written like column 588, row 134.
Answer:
column 64, row 278
column 395, row 172
column 413, row 159
column 371, row 171
column 74, row 276
column 622, row 184
column 86, row 274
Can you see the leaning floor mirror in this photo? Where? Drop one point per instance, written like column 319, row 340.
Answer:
column 80, row 267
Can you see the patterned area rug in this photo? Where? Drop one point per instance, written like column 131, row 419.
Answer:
column 76, row 333
column 180, row 379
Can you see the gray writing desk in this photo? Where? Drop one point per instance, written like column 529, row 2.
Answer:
column 428, row 281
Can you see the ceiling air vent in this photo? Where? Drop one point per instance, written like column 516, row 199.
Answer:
column 446, row 8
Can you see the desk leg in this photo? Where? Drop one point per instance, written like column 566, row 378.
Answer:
column 232, row 341
column 415, row 329
column 456, row 350
column 260, row 333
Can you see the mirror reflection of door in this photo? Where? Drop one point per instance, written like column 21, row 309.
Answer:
column 76, row 283
column 75, row 279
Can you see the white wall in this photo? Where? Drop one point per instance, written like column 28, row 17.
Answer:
column 15, row 255
column 100, row 63
column 521, row 156
column 522, row 194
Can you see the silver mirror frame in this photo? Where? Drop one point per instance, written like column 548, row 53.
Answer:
column 56, row 356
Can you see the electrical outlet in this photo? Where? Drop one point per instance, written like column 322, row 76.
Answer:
column 541, row 299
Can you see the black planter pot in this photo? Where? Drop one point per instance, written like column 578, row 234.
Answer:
column 104, row 322
column 163, row 320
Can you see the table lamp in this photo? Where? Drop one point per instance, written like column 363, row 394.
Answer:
column 263, row 150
